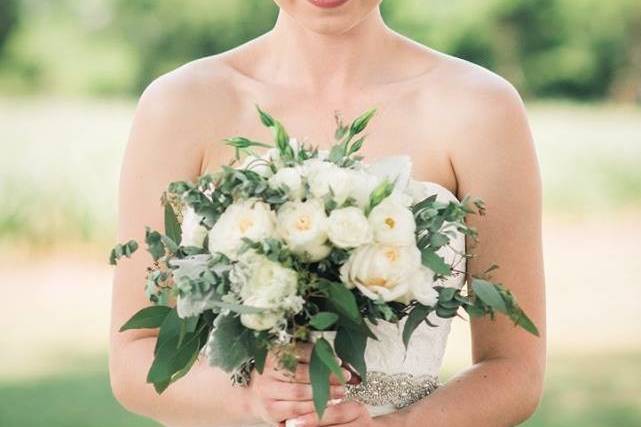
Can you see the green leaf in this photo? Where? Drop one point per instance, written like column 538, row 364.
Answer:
column 416, row 316
column 265, row 118
column 319, row 377
column 526, row 323
column 172, row 358
column 326, row 354
column 169, row 329
column 435, row 262
column 380, row 193
column 361, row 122
column 187, row 325
column 120, row 250
column 446, row 294
column 233, row 343
column 344, row 302
column 260, row 358
column 350, row 346
column 147, row 318
column 323, row 320
column 488, row 293
column 154, row 242
column 244, row 143
column 172, row 227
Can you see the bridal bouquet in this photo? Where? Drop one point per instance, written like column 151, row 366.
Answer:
column 260, row 256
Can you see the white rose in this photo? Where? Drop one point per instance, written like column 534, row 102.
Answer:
column 193, row 233
column 349, row 228
column 315, row 253
column 393, row 223
column 326, row 178
column 362, row 185
column 422, row 287
column 291, row 179
column 382, row 271
column 260, row 321
column 248, row 219
column 303, row 225
column 267, row 279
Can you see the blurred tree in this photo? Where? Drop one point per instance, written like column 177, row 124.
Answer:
column 8, row 20
column 167, row 33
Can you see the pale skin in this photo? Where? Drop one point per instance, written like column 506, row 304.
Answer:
column 464, row 127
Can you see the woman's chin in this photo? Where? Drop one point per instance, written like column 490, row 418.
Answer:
column 328, row 17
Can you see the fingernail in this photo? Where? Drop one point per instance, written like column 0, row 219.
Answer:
column 294, row 422
column 347, row 374
column 334, row 402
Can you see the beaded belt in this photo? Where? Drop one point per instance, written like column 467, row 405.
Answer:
column 399, row 390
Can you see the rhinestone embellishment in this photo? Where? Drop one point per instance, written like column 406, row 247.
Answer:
column 400, row 390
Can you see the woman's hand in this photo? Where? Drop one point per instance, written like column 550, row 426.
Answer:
column 279, row 395
column 345, row 414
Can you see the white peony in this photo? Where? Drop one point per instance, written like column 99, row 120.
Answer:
column 266, row 278
column 270, row 286
column 303, row 226
column 382, row 271
column 422, row 287
column 326, row 178
column 260, row 321
column 247, row 219
column 393, row 223
column 193, row 233
column 290, row 178
column 349, row 228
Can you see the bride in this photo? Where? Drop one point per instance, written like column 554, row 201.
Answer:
column 466, row 132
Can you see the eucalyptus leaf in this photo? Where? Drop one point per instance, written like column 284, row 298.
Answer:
column 417, row 315
column 147, row 318
column 319, row 377
column 172, row 227
column 325, row 352
column 488, row 293
column 435, row 262
column 323, row 320
column 350, row 347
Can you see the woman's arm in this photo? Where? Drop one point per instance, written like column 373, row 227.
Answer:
column 165, row 145
column 495, row 160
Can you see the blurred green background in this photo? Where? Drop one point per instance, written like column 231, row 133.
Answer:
column 69, row 75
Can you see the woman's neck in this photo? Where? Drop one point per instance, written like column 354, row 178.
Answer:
column 328, row 63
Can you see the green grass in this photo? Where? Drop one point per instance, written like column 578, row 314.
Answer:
column 584, row 391
column 61, row 158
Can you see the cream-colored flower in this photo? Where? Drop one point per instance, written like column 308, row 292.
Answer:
column 266, row 278
column 326, row 178
column 303, row 225
column 260, row 321
column 393, row 223
column 422, row 287
column 291, row 179
column 269, row 286
column 250, row 219
column 193, row 233
column 382, row 271
column 349, row 228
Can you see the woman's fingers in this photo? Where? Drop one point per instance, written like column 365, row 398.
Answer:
column 302, row 392
column 282, row 410
column 340, row 413
column 301, row 375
